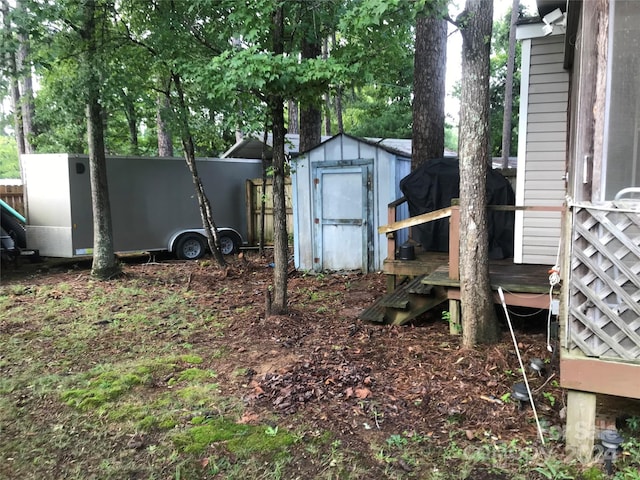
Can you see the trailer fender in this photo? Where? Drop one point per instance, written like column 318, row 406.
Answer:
column 230, row 239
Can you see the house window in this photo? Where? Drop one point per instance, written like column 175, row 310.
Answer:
column 622, row 140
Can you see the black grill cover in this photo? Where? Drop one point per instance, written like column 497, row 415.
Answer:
column 432, row 186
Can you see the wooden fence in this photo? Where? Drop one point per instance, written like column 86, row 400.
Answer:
column 254, row 199
column 13, row 196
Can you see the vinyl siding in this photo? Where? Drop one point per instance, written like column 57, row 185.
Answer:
column 542, row 163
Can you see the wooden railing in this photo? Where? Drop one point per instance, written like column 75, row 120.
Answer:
column 452, row 212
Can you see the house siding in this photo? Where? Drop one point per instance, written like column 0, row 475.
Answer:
column 542, row 150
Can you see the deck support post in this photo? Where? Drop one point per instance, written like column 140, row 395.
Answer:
column 391, row 283
column 455, row 320
column 581, row 424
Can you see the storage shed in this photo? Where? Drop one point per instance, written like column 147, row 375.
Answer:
column 341, row 190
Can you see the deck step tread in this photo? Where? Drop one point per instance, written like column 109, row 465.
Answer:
column 405, row 303
column 401, row 296
column 374, row 313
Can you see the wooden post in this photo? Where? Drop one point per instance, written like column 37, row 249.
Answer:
column 455, row 319
column 391, row 236
column 251, row 234
column 581, row 424
column 454, row 242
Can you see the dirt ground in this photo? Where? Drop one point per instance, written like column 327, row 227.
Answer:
column 321, row 365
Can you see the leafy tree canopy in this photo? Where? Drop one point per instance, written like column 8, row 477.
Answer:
column 9, row 167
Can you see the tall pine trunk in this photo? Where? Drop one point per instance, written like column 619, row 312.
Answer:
column 293, row 124
column 105, row 264
column 508, row 87
column 280, row 240
column 429, row 89
column 165, row 142
column 132, row 122
column 479, row 323
column 310, row 113
column 10, row 60
column 26, row 88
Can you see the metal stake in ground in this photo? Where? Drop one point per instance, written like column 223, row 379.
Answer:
column 524, row 374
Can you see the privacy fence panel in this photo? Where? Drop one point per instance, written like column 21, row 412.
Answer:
column 13, row 196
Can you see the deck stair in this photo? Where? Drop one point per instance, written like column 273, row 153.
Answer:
column 405, row 303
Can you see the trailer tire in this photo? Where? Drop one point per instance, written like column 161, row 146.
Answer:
column 14, row 228
column 190, row 246
column 229, row 243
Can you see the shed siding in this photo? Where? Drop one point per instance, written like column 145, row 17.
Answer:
column 542, row 152
column 388, row 168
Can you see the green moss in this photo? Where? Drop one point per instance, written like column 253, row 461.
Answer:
column 243, row 440
column 190, row 358
column 108, row 383
column 195, row 374
column 102, row 389
column 593, row 473
column 198, row 395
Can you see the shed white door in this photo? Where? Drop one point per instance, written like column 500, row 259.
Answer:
column 343, row 217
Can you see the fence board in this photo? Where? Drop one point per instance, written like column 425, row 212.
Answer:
column 13, row 196
column 254, row 199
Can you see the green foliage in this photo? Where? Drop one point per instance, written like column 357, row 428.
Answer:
column 9, row 166
column 554, row 469
column 633, row 423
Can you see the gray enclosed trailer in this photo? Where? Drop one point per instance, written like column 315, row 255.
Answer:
column 153, row 203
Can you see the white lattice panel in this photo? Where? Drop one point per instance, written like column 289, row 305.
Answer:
column 604, row 306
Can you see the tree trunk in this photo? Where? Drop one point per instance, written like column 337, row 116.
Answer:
column 263, row 197
column 10, row 59
column 293, row 126
column 508, row 88
column 338, row 99
column 206, row 215
column 327, row 95
column 165, row 143
column 429, row 89
column 327, row 114
column 132, row 122
column 478, row 313
column 26, row 87
column 105, row 264
column 310, row 114
column 280, row 240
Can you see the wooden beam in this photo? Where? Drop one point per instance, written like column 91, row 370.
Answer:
column 410, row 222
column 528, row 208
column 600, row 376
column 531, row 300
column 581, row 424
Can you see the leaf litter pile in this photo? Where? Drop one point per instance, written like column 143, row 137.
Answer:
column 318, row 371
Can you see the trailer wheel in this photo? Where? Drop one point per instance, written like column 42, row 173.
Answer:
column 14, row 228
column 190, row 247
column 229, row 243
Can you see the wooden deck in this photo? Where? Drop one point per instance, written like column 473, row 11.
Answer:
column 523, row 285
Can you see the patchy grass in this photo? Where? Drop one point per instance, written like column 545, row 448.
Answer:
column 157, row 376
